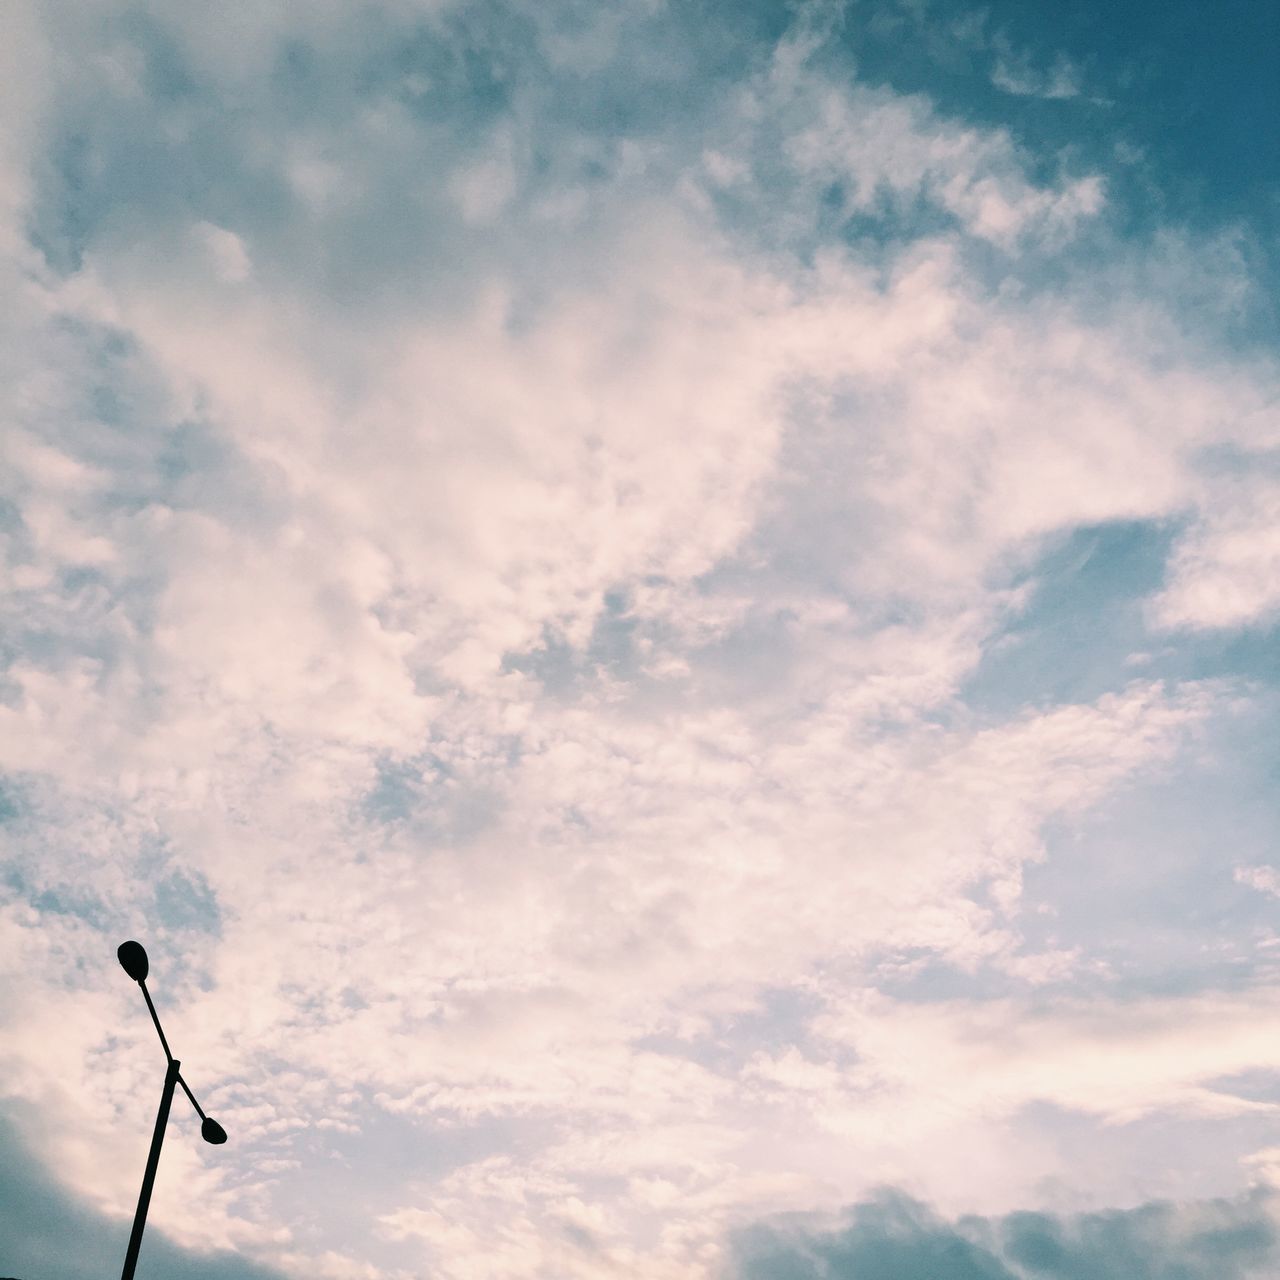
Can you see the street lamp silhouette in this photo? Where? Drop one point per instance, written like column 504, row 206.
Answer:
column 133, row 960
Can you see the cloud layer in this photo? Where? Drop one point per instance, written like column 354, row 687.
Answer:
column 541, row 551
column 894, row 1238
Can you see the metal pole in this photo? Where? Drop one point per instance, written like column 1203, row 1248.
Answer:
column 148, row 1178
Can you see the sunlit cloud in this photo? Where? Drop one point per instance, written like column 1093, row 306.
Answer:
column 607, row 590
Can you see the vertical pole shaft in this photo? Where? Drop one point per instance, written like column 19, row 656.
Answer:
column 149, row 1178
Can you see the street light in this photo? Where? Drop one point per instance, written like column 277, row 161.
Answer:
column 133, row 960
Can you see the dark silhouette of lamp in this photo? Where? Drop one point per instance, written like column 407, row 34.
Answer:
column 133, row 960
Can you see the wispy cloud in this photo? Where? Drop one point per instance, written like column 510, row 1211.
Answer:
column 1018, row 77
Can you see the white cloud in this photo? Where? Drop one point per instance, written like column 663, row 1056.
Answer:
column 883, row 145
column 1264, row 879
column 1018, row 77
column 227, row 251
column 1225, row 571
column 551, row 645
column 1102, row 1056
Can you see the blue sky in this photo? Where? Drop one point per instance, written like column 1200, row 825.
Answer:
column 665, row 621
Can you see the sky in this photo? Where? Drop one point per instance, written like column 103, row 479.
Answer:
column 665, row 620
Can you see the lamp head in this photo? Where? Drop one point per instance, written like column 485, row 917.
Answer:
column 212, row 1131
column 133, row 960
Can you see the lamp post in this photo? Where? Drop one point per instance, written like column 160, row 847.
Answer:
column 133, row 960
